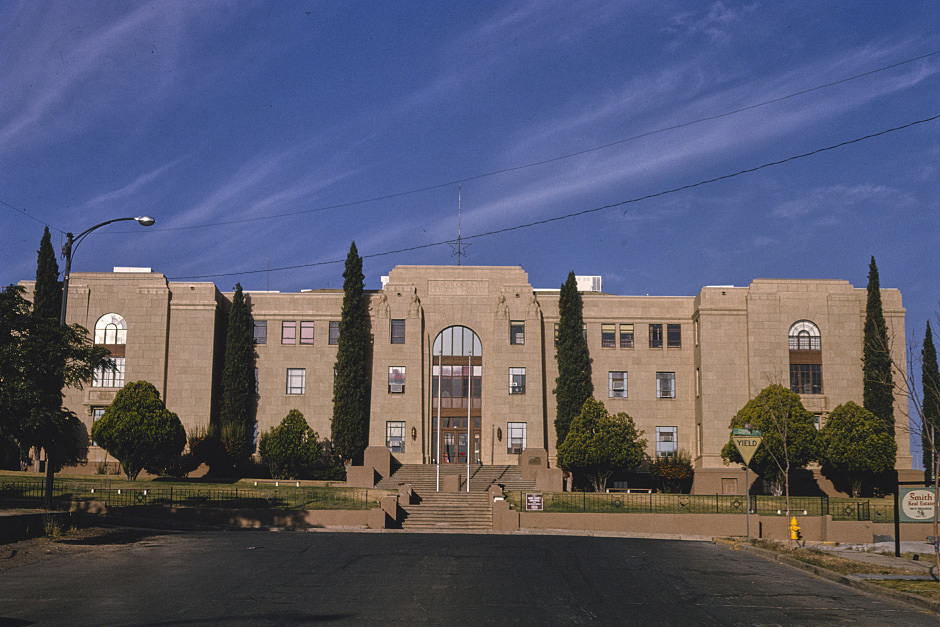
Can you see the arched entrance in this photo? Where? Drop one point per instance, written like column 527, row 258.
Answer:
column 456, row 395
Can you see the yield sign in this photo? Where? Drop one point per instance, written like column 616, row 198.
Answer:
column 747, row 442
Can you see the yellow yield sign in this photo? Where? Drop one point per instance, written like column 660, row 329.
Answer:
column 747, row 442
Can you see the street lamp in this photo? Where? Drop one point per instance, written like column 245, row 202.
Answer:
column 71, row 243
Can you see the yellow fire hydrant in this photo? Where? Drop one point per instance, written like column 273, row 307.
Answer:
column 795, row 530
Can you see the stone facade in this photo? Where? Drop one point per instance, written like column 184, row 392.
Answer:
column 690, row 364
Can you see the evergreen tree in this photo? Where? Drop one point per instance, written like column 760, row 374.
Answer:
column 573, row 385
column 350, row 426
column 855, row 443
column 878, row 397
column 930, row 379
column 47, row 295
column 236, row 413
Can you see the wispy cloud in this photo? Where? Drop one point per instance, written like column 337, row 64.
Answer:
column 834, row 202
column 715, row 23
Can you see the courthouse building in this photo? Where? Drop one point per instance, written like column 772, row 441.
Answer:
column 469, row 351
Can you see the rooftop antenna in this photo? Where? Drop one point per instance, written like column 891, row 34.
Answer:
column 458, row 246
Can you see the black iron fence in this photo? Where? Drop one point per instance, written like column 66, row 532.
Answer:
column 876, row 510
column 30, row 492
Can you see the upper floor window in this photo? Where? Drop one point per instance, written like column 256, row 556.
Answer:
column 334, row 332
column 111, row 329
column 656, row 336
column 617, row 384
column 396, row 379
column 261, row 332
column 398, row 331
column 673, row 336
column 805, row 358
column 608, row 335
column 665, row 385
column 109, row 376
column 306, row 332
column 296, row 380
column 288, row 332
column 517, row 380
column 517, row 332
column 804, row 336
column 626, row 336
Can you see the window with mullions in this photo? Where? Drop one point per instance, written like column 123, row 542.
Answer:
column 111, row 333
column 656, row 336
column 109, row 377
column 306, row 332
column 666, row 441
column 396, row 379
column 395, row 436
column 626, row 336
column 517, row 332
column 806, row 378
column 96, row 414
column 515, row 437
column 517, row 380
column 260, row 333
column 608, row 336
column 673, row 336
column 665, row 385
column 289, row 332
column 617, row 384
column 334, row 332
column 296, row 380
column 398, row 331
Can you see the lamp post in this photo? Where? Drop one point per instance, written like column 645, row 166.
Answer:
column 71, row 244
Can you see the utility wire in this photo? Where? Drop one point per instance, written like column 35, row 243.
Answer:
column 534, row 164
column 585, row 211
column 31, row 217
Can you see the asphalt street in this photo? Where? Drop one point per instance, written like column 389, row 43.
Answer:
column 303, row 578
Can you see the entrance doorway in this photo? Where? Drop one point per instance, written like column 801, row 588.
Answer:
column 456, row 393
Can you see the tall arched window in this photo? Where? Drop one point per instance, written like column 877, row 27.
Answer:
column 456, row 392
column 805, row 358
column 111, row 332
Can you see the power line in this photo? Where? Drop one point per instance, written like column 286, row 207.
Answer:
column 31, row 217
column 586, row 211
column 549, row 160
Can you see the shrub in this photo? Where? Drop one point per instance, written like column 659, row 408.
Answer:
column 206, row 447
column 139, row 431
column 673, row 474
column 290, row 448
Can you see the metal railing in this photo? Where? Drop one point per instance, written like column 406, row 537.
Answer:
column 30, row 493
column 875, row 510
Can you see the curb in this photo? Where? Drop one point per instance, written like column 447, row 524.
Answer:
column 850, row 581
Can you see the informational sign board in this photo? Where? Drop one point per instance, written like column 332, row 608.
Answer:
column 747, row 442
column 533, row 502
column 917, row 504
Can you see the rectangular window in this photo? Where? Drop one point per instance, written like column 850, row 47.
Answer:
column 109, row 377
column 395, row 436
column 617, row 384
column 665, row 385
column 673, row 336
column 396, row 379
column 556, row 334
column 296, row 380
column 334, row 332
column 656, row 336
column 608, row 336
column 806, row 378
column 96, row 413
column 667, row 441
column 517, row 380
column 306, row 332
column 515, row 437
column 517, row 332
column 626, row 336
column 257, row 387
column 398, row 331
column 261, row 332
column 289, row 332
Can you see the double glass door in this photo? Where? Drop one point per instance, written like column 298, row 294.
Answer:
column 454, row 440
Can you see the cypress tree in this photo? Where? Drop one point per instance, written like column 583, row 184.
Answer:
column 47, row 295
column 878, row 394
column 573, row 385
column 930, row 379
column 236, row 413
column 350, row 425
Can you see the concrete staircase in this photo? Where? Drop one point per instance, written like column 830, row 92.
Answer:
column 452, row 511
column 449, row 511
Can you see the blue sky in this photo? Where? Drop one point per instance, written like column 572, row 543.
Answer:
column 271, row 134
